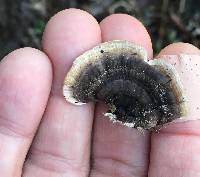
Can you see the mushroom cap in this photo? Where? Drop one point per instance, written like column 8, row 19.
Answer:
column 140, row 93
column 112, row 49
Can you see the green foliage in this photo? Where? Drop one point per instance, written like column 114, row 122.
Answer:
column 39, row 26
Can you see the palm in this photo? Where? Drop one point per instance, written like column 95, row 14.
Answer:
column 77, row 141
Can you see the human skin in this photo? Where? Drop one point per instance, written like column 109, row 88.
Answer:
column 41, row 135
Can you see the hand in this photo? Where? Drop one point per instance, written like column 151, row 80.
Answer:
column 41, row 135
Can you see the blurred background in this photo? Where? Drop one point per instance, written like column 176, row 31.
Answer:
column 22, row 21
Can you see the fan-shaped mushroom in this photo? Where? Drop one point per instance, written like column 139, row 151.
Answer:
column 140, row 93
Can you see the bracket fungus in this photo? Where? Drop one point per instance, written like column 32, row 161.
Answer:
column 139, row 93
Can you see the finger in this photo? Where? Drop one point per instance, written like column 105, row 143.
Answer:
column 179, row 47
column 118, row 150
column 62, row 145
column 25, row 82
column 125, row 27
column 175, row 149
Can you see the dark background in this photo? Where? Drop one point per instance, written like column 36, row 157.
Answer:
column 22, row 21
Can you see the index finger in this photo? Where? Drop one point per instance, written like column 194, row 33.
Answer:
column 63, row 140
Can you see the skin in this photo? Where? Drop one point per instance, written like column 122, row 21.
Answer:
column 44, row 136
